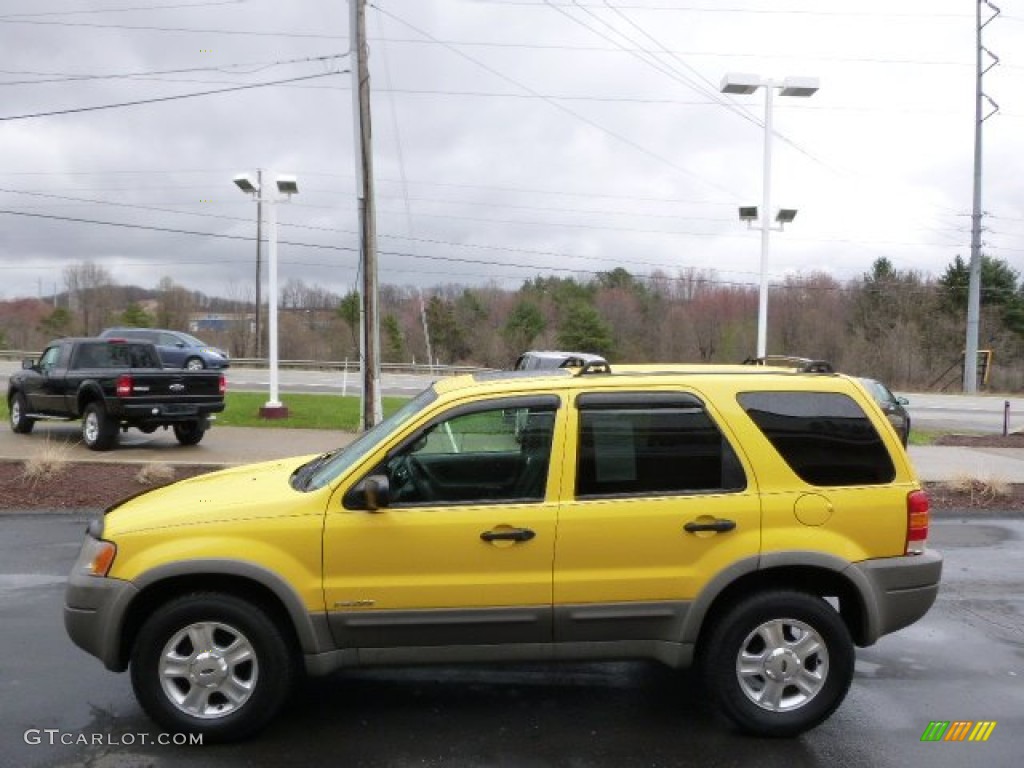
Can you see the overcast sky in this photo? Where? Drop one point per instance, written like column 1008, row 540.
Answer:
column 511, row 138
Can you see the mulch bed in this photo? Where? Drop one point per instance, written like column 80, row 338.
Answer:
column 79, row 485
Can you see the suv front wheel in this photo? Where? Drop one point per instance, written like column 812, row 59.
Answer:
column 211, row 664
column 779, row 663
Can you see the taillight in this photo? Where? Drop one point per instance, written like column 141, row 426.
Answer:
column 223, row 386
column 124, row 385
column 917, row 522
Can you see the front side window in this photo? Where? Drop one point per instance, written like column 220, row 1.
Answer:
column 49, row 359
column 169, row 340
column 824, row 437
column 483, row 454
column 654, row 444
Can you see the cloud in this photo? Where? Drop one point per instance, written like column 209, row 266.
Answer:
column 510, row 139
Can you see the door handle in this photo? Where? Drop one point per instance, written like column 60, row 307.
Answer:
column 508, row 534
column 718, row 526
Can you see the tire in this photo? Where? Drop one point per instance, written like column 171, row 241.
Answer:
column 779, row 663
column 20, row 422
column 99, row 431
column 211, row 664
column 189, row 432
column 194, row 364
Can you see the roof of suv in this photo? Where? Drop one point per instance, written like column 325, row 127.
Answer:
column 601, row 371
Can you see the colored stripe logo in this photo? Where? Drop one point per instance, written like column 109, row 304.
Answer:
column 958, row 730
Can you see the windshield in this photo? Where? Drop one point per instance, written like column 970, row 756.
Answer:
column 878, row 390
column 342, row 460
column 193, row 341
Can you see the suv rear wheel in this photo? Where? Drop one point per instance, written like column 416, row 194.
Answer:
column 212, row 664
column 779, row 663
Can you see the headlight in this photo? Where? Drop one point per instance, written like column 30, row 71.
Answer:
column 97, row 556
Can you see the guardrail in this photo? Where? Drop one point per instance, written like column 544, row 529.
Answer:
column 344, row 366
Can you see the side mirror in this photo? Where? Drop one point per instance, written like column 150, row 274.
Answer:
column 902, row 401
column 28, row 364
column 369, row 494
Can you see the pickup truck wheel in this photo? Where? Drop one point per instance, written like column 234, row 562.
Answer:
column 779, row 663
column 195, row 364
column 99, row 432
column 213, row 664
column 20, row 422
column 189, row 432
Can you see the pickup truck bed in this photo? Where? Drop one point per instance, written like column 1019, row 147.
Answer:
column 112, row 385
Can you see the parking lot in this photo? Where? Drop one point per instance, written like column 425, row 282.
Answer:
column 963, row 662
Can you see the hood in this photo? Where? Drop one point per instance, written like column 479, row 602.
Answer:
column 240, row 493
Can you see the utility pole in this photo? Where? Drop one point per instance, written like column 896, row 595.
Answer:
column 974, row 286
column 426, row 332
column 369, row 317
column 259, row 246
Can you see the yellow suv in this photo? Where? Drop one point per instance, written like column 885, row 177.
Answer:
column 756, row 521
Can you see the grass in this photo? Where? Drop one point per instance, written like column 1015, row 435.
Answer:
column 154, row 474
column 46, row 463
column 979, row 489
column 304, row 411
column 924, row 437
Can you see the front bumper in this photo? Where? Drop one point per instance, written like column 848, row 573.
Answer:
column 94, row 612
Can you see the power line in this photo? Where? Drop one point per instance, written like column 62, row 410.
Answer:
column 561, row 107
column 176, row 6
column 168, row 98
column 62, row 77
column 719, row 9
column 184, row 30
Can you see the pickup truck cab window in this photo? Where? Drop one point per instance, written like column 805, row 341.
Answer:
column 49, row 359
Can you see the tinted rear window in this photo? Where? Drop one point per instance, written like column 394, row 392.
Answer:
column 652, row 444
column 825, row 437
column 117, row 355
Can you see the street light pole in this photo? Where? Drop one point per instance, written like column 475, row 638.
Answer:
column 766, row 197
column 273, row 409
column 259, row 258
column 287, row 186
column 745, row 84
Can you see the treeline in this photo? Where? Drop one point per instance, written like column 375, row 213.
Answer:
column 900, row 326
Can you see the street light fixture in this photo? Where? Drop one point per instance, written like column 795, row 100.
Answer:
column 286, row 186
column 746, row 84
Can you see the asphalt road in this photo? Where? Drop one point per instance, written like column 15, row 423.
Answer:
column 963, row 661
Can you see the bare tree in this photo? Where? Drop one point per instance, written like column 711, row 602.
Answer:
column 175, row 305
column 90, row 290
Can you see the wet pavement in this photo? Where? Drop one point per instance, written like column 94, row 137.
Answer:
column 963, row 661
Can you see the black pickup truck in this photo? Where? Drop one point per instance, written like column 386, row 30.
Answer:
column 111, row 385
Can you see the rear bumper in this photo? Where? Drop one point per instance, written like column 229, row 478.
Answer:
column 167, row 413
column 902, row 590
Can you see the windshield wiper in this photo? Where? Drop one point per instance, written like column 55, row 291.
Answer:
column 302, row 475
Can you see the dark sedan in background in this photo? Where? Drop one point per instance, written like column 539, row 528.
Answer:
column 892, row 406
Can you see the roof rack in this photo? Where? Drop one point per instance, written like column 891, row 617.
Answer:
column 802, row 364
